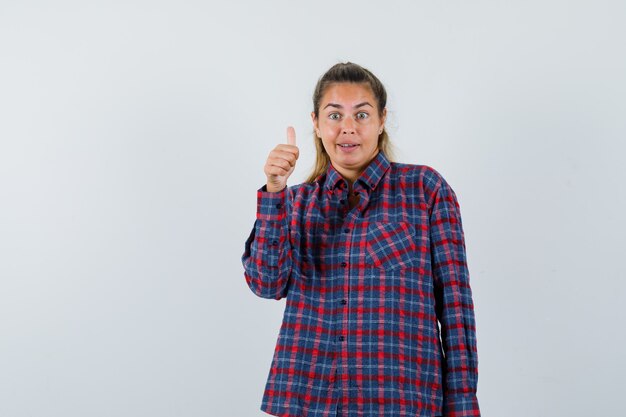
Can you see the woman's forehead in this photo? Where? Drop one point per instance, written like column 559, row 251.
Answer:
column 348, row 94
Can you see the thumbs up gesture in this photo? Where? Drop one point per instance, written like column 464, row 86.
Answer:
column 281, row 162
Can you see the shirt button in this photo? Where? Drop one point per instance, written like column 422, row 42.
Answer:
column 344, row 264
column 278, row 205
column 341, row 338
column 344, row 302
column 346, row 230
column 275, row 242
column 342, row 201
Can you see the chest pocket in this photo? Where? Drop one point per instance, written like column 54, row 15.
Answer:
column 390, row 246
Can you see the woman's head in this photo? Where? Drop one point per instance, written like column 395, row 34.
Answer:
column 349, row 112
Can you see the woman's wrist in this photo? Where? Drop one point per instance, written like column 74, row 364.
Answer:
column 273, row 189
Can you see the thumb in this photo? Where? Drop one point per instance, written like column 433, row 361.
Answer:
column 291, row 135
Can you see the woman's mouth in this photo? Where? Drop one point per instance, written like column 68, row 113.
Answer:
column 347, row 147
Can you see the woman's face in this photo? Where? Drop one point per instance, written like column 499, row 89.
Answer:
column 349, row 126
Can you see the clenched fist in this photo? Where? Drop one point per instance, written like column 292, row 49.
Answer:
column 281, row 162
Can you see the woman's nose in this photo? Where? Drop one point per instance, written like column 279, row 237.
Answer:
column 348, row 126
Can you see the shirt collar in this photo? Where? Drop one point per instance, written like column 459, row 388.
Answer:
column 369, row 178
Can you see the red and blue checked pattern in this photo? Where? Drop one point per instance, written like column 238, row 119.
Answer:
column 366, row 290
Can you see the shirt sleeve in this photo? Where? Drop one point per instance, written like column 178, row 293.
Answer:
column 267, row 256
column 454, row 305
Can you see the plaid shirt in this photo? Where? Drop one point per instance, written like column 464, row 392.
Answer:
column 365, row 289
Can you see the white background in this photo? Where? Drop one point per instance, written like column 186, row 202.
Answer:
column 133, row 136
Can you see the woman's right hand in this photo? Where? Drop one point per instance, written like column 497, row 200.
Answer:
column 281, row 162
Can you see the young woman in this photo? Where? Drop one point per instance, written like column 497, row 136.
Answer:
column 370, row 256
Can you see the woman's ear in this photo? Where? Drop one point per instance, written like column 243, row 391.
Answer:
column 315, row 124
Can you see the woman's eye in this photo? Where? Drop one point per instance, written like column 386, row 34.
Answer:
column 333, row 116
column 361, row 115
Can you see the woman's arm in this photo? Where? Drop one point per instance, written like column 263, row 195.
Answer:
column 454, row 305
column 267, row 256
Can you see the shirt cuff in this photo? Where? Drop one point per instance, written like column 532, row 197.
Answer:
column 459, row 405
column 270, row 206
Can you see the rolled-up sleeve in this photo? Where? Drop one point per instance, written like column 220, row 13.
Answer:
column 454, row 304
column 267, row 255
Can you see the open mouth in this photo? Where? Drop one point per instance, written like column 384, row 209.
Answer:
column 348, row 145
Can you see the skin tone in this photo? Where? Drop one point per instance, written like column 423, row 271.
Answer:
column 281, row 162
column 349, row 124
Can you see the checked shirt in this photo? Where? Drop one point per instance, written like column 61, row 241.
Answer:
column 379, row 317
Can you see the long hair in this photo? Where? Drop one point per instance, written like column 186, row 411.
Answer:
column 347, row 73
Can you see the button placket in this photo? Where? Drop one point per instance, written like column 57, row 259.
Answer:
column 341, row 338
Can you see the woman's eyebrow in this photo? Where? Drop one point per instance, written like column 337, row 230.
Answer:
column 339, row 106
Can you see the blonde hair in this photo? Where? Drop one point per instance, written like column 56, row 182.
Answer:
column 347, row 73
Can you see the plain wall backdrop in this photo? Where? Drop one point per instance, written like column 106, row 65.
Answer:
column 133, row 136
